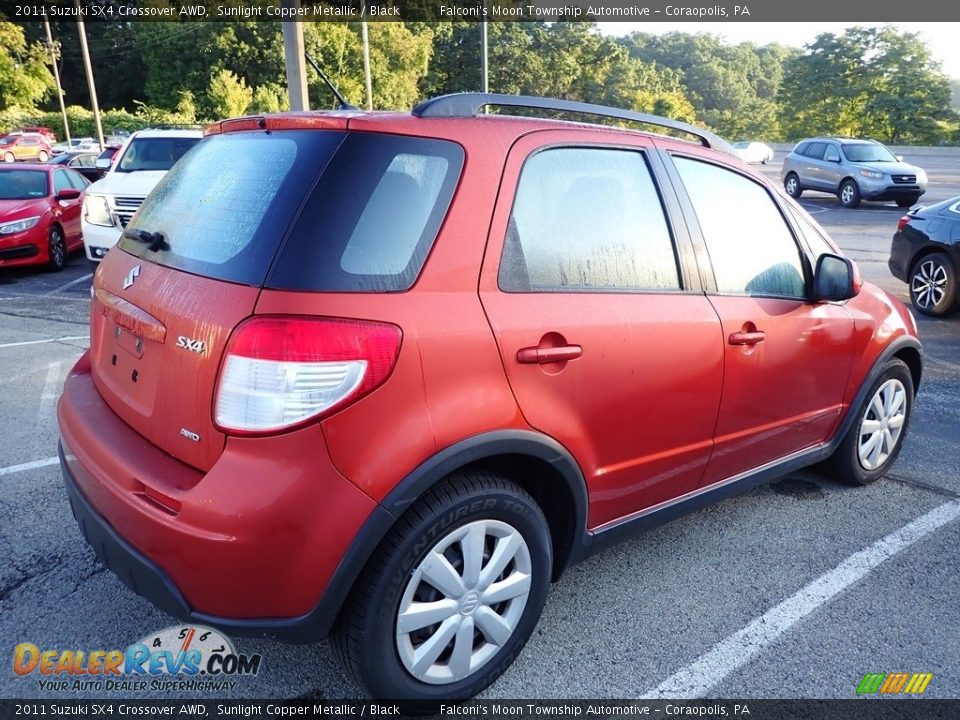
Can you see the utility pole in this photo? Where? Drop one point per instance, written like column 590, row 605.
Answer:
column 56, row 76
column 293, row 51
column 483, row 57
column 366, row 64
column 89, row 68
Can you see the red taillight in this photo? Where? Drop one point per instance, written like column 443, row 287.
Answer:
column 902, row 222
column 279, row 372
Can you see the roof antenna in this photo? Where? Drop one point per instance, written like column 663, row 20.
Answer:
column 344, row 105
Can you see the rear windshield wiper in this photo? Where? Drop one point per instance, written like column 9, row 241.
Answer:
column 153, row 240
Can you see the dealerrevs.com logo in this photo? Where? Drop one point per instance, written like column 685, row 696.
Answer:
column 181, row 657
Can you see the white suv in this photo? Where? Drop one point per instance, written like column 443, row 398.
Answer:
column 111, row 201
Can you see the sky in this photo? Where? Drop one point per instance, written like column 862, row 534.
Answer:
column 943, row 38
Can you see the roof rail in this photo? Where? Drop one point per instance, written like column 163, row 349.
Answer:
column 470, row 105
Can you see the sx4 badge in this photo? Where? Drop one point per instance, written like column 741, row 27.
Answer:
column 181, row 657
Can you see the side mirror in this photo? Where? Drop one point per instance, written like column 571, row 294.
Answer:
column 103, row 163
column 836, row 278
column 68, row 194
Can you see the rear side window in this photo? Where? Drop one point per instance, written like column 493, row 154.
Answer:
column 751, row 247
column 815, row 150
column 373, row 216
column 587, row 219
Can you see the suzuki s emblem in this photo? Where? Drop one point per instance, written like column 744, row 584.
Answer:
column 131, row 276
column 186, row 343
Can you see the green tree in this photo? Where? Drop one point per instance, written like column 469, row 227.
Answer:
column 25, row 78
column 874, row 82
column 733, row 88
column 228, row 95
column 399, row 57
column 269, row 98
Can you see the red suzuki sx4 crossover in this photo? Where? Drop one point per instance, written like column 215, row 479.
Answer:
column 385, row 376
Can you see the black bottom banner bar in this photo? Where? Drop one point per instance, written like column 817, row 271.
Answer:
column 860, row 709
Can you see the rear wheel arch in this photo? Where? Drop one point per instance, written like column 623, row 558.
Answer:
column 533, row 461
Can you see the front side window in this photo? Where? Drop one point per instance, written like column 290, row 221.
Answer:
column 751, row 247
column 831, row 154
column 587, row 219
column 61, row 181
column 811, row 232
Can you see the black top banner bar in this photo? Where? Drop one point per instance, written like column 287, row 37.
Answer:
column 483, row 11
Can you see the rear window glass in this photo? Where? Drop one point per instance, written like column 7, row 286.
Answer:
column 372, row 206
column 372, row 217
column 224, row 210
column 154, row 153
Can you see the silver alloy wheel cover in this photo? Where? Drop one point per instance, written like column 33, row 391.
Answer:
column 929, row 284
column 882, row 424
column 791, row 185
column 846, row 194
column 467, row 606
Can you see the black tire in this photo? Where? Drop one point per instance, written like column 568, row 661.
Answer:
column 845, row 464
column 365, row 636
column 791, row 183
column 933, row 285
column 906, row 202
column 57, row 249
column 42, row 156
column 849, row 194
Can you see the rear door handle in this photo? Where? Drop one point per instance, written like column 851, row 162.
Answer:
column 747, row 338
column 543, row 355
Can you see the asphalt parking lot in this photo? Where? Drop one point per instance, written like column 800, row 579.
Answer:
column 795, row 590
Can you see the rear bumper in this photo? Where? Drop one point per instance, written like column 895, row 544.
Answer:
column 249, row 547
column 901, row 254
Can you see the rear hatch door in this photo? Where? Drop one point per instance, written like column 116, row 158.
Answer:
column 189, row 269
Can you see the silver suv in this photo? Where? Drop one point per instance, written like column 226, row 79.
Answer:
column 853, row 170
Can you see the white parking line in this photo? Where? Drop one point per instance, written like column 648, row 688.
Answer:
column 48, row 398
column 29, row 466
column 41, row 342
column 699, row 677
column 70, row 284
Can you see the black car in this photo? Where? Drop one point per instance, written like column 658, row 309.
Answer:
column 83, row 162
column 926, row 255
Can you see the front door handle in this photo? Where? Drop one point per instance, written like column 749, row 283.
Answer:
column 747, row 338
column 544, row 355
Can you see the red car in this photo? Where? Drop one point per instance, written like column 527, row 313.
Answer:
column 39, row 214
column 46, row 132
column 24, row 147
column 388, row 375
